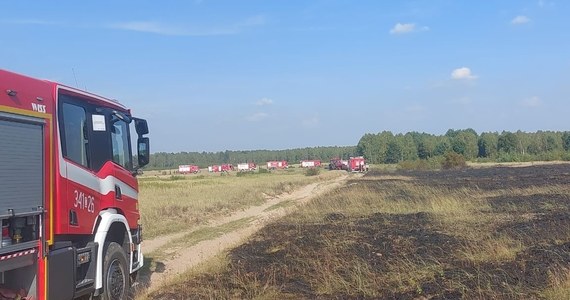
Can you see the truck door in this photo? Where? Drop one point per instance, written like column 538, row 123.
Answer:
column 81, row 187
column 125, row 185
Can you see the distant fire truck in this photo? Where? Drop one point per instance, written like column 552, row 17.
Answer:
column 68, row 192
column 338, row 164
column 310, row 163
column 221, row 168
column 280, row 164
column 187, row 169
column 357, row 164
column 245, row 167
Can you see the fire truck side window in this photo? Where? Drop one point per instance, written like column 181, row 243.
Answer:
column 120, row 140
column 76, row 147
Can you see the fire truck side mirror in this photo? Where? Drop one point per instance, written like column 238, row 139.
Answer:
column 141, row 126
column 143, row 151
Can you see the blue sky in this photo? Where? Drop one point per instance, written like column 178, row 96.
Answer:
column 215, row 75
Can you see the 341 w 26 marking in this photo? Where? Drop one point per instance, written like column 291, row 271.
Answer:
column 83, row 201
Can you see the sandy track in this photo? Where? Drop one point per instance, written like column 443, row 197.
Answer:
column 202, row 251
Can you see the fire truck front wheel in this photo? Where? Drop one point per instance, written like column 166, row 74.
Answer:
column 115, row 273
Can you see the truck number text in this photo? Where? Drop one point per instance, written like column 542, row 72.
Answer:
column 85, row 202
column 39, row 108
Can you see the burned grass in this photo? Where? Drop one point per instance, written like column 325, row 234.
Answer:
column 475, row 234
column 492, row 178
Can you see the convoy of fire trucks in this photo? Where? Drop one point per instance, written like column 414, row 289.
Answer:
column 68, row 192
column 353, row 164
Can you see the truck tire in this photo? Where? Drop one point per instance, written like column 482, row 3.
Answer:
column 116, row 279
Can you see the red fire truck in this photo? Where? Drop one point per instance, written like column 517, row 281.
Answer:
column 277, row 164
column 338, row 164
column 246, row 167
column 68, row 192
column 187, row 169
column 310, row 163
column 221, row 168
column 357, row 164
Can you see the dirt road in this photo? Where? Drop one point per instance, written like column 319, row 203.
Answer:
column 182, row 258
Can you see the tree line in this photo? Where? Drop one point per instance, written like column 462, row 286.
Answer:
column 385, row 147
column 388, row 148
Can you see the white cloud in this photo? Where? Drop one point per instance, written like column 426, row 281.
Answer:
column 532, row 102
column 518, row 20
column 403, row 28
column 150, row 27
column 400, row 28
column 264, row 101
column 181, row 30
column 462, row 73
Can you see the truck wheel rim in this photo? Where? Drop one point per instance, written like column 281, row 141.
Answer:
column 116, row 280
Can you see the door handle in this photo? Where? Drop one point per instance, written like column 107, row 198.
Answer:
column 118, row 194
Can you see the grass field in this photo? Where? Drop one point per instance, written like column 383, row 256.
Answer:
column 172, row 203
column 489, row 233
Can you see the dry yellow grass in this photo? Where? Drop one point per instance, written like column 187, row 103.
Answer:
column 407, row 198
column 514, row 164
column 559, row 288
column 490, row 248
column 172, row 203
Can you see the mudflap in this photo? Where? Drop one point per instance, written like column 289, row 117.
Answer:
column 71, row 271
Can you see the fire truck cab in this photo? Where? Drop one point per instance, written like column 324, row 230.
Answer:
column 68, row 192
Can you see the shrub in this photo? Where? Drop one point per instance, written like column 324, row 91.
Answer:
column 453, row 160
column 176, row 177
column 312, row 171
column 263, row 171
